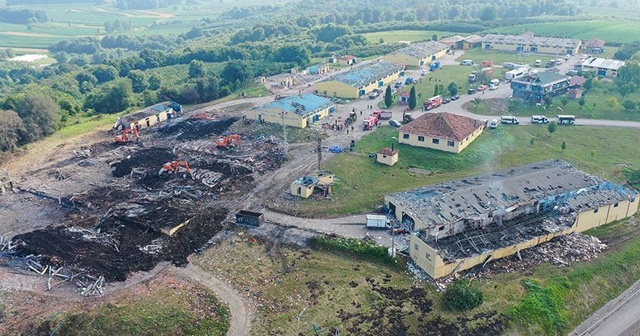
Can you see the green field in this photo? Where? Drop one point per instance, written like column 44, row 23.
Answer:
column 395, row 36
column 610, row 31
column 362, row 189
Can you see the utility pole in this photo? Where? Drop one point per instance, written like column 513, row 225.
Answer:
column 319, row 150
column 284, row 132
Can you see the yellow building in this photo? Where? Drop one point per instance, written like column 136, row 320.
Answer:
column 442, row 131
column 418, row 54
column 388, row 156
column 601, row 66
column 461, row 224
column 149, row 116
column 295, row 111
column 528, row 43
column 322, row 180
column 359, row 81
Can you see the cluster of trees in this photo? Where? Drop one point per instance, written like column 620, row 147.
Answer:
column 627, row 51
column 261, row 32
column 117, row 26
column 27, row 117
column 22, row 16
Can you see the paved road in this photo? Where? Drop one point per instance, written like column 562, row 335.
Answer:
column 619, row 317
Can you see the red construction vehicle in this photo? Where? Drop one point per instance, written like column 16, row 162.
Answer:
column 376, row 114
column 175, row 167
column 127, row 135
column 432, row 103
column 201, row 115
column 369, row 122
column 228, row 141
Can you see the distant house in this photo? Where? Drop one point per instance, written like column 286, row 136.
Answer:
column 603, row 67
column 442, row 131
column 296, row 111
column 417, row 54
column 576, row 82
column 149, row 116
column 528, row 43
column 574, row 93
column 594, row 46
column 347, row 60
column 359, row 81
column 537, row 86
column 320, row 181
column 462, row 42
column 388, row 156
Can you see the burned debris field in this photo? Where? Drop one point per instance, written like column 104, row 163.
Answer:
column 166, row 195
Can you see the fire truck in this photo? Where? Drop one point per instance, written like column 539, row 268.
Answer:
column 432, row 103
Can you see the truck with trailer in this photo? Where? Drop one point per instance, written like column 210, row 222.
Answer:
column 510, row 75
column 377, row 222
column 432, row 103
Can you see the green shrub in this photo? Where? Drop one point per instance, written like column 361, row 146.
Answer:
column 353, row 246
column 462, row 295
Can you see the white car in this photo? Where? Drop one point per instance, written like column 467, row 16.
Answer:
column 567, row 56
column 509, row 120
column 493, row 123
column 539, row 119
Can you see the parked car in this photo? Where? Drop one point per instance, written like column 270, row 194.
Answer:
column 395, row 123
column 455, row 97
column 466, row 62
column 567, row 57
column 471, row 90
column 482, row 87
column 446, row 101
column 538, row 63
column 493, row 123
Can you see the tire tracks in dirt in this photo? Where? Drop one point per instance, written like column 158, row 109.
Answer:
column 241, row 311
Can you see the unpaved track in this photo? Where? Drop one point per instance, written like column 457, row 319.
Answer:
column 241, row 312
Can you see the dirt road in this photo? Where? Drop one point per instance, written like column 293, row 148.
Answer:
column 241, row 313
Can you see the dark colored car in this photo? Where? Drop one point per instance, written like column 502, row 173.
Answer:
column 471, row 91
column 455, row 97
column 446, row 101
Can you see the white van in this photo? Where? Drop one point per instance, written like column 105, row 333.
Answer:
column 509, row 120
column 539, row 119
column 538, row 63
column 493, row 123
column 466, row 62
column 493, row 84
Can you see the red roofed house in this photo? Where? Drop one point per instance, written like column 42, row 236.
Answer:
column 443, row 131
column 594, row 46
column 388, row 156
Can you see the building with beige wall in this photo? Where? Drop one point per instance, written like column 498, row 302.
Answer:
column 320, row 181
column 418, row 54
column 149, row 116
column 295, row 111
column 388, row 156
column 602, row 67
column 442, row 131
column 359, row 80
column 528, row 43
column 460, row 224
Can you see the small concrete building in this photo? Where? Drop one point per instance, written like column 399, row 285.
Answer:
column 442, row 131
column 528, row 43
column 359, row 81
column 295, row 111
column 347, row 60
column 149, row 116
column 320, row 180
column 463, row 223
column 538, row 86
column 417, row 54
column 594, row 46
column 602, row 67
column 388, row 156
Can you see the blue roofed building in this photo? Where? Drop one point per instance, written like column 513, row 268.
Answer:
column 296, row 111
column 360, row 80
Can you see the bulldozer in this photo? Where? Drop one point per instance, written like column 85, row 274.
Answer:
column 228, row 141
column 127, row 135
column 175, row 167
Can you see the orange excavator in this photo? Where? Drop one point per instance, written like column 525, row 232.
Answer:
column 228, row 141
column 175, row 167
column 127, row 135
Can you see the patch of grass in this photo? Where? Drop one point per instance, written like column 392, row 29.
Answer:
column 395, row 36
column 542, row 306
column 353, row 246
column 86, row 125
column 610, row 31
column 479, row 55
column 168, row 312
column 364, row 182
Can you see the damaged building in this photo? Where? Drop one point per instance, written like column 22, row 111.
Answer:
column 468, row 222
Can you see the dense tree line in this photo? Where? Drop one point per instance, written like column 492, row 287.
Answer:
column 22, row 16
